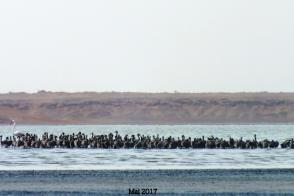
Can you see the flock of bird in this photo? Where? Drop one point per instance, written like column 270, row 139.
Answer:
column 116, row 141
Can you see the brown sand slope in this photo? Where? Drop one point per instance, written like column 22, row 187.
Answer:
column 146, row 108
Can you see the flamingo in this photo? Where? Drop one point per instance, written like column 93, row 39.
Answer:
column 15, row 132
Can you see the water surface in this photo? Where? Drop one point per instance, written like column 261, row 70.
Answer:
column 125, row 159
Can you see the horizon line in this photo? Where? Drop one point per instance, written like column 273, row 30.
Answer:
column 146, row 92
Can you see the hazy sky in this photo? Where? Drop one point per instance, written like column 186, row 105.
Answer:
column 152, row 45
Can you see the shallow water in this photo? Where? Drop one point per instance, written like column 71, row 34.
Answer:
column 167, row 182
column 77, row 159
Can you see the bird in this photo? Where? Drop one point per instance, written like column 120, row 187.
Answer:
column 15, row 132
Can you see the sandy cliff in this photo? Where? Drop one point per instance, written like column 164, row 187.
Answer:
column 146, row 108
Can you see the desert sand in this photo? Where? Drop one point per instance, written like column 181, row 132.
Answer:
column 146, row 108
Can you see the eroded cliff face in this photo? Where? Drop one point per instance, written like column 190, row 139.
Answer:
column 146, row 108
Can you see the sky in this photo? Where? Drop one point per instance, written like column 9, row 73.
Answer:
column 147, row 46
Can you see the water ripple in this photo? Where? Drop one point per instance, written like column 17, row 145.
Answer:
column 24, row 159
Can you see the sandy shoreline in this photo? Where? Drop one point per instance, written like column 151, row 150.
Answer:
column 183, row 182
column 146, row 108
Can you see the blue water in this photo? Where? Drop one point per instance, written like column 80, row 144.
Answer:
column 77, row 159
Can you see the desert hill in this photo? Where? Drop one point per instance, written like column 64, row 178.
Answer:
column 146, row 108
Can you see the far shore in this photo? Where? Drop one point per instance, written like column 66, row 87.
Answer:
column 116, row 108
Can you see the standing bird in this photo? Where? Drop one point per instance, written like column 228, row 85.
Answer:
column 15, row 132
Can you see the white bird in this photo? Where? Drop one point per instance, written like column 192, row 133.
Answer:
column 15, row 132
